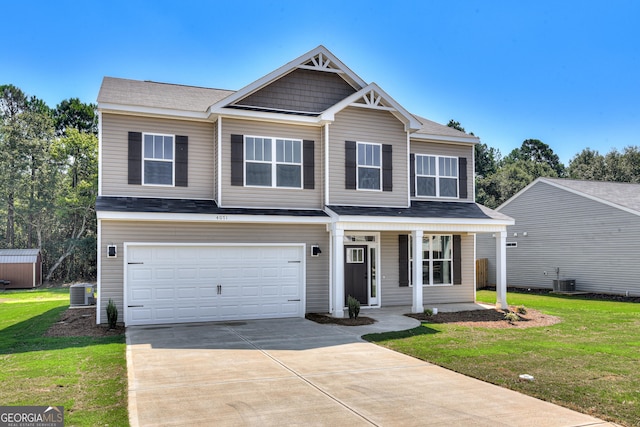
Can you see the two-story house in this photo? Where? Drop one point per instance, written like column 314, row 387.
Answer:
column 284, row 197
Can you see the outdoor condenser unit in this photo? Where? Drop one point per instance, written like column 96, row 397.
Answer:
column 82, row 294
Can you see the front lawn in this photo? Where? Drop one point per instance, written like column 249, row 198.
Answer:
column 589, row 362
column 86, row 375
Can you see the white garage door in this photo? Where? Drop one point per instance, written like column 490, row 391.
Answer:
column 173, row 284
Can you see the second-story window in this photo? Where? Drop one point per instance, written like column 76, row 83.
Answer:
column 436, row 176
column 369, row 166
column 273, row 162
column 158, row 159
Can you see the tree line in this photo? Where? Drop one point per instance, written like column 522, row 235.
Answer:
column 49, row 181
column 498, row 178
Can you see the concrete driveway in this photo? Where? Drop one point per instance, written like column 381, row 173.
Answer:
column 297, row 372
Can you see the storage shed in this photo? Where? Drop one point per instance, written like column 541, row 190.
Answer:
column 22, row 268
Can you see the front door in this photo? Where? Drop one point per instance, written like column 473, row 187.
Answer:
column 356, row 278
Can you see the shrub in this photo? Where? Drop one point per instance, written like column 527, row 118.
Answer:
column 354, row 307
column 521, row 309
column 428, row 312
column 112, row 314
column 511, row 316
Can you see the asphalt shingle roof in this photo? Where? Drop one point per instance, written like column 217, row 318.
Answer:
column 620, row 193
column 425, row 209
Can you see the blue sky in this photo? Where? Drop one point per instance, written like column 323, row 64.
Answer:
column 564, row 72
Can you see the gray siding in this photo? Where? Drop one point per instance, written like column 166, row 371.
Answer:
column 365, row 125
column 215, row 161
column 595, row 244
column 115, row 130
column 117, row 232
column 301, row 90
column 451, row 150
column 392, row 294
column 267, row 197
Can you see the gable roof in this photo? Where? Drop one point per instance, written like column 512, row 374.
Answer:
column 621, row 195
column 19, row 256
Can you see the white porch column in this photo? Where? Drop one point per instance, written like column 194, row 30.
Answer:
column 416, row 279
column 338, row 272
column 501, row 270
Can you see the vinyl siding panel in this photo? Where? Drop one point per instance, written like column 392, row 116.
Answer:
column 366, row 125
column 301, row 90
column 215, row 161
column 451, row 150
column 115, row 130
column 118, row 232
column 593, row 243
column 267, row 197
column 395, row 295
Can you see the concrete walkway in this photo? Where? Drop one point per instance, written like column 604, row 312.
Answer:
column 296, row 372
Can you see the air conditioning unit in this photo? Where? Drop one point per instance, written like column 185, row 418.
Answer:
column 564, row 285
column 82, row 294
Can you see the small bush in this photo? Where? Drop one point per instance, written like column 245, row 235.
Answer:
column 521, row 309
column 354, row 307
column 511, row 316
column 112, row 314
column 428, row 312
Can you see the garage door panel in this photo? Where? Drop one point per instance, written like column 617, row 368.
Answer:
column 168, row 284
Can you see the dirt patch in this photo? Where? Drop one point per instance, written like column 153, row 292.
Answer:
column 80, row 322
column 325, row 319
column 491, row 318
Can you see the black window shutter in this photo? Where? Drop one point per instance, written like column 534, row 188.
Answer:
column 237, row 160
column 403, row 259
column 135, row 158
column 462, row 177
column 350, row 165
column 308, row 159
column 412, row 174
column 182, row 161
column 457, row 260
column 387, row 167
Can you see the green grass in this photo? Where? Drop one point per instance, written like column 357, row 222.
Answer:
column 86, row 375
column 590, row 362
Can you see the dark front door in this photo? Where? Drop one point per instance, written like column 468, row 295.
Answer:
column 355, row 273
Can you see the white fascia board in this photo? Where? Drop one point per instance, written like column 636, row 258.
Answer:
column 443, row 138
column 422, row 220
column 214, row 218
column 431, row 227
column 410, row 122
column 285, row 69
column 153, row 111
column 232, row 113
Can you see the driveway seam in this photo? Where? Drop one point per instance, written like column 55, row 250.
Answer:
column 310, row 383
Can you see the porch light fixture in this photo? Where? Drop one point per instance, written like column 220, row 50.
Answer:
column 112, row 251
column 315, row 250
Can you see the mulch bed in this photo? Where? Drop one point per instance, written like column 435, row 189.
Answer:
column 81, row 322
column 325, row 320
column 491, row 318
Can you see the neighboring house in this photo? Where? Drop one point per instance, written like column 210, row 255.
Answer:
column 21, row 268
column 285, row 197
column 585, row 231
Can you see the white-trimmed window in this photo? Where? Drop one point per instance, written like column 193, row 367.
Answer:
column 437, row 259
column 158, row 155
column 273, row 162
column 369, row 164
column 436, row 176
column 355, row 255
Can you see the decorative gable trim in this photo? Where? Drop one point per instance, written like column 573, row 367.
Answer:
column 374, row 97
column 319, row 59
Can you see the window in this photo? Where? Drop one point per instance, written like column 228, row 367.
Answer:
column 511, row 244
column 158, row 162
column 273, row 162
column 355, row 256
column 436, row 176
column 369, row 166
column 437, row 260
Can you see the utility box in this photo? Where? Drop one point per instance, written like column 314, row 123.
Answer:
column 564, row 285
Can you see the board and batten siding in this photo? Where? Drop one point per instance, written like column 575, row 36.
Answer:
column 367, row 125
column 450, row 150
column 394, row 295
column 115, row 129
column 271, row 197
column 593, row 243
column 118, row 232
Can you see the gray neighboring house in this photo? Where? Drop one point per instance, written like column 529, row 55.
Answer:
column 588, row 230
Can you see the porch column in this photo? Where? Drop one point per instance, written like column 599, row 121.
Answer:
column 417, row 306
column 501, row 270
column 338, row 272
